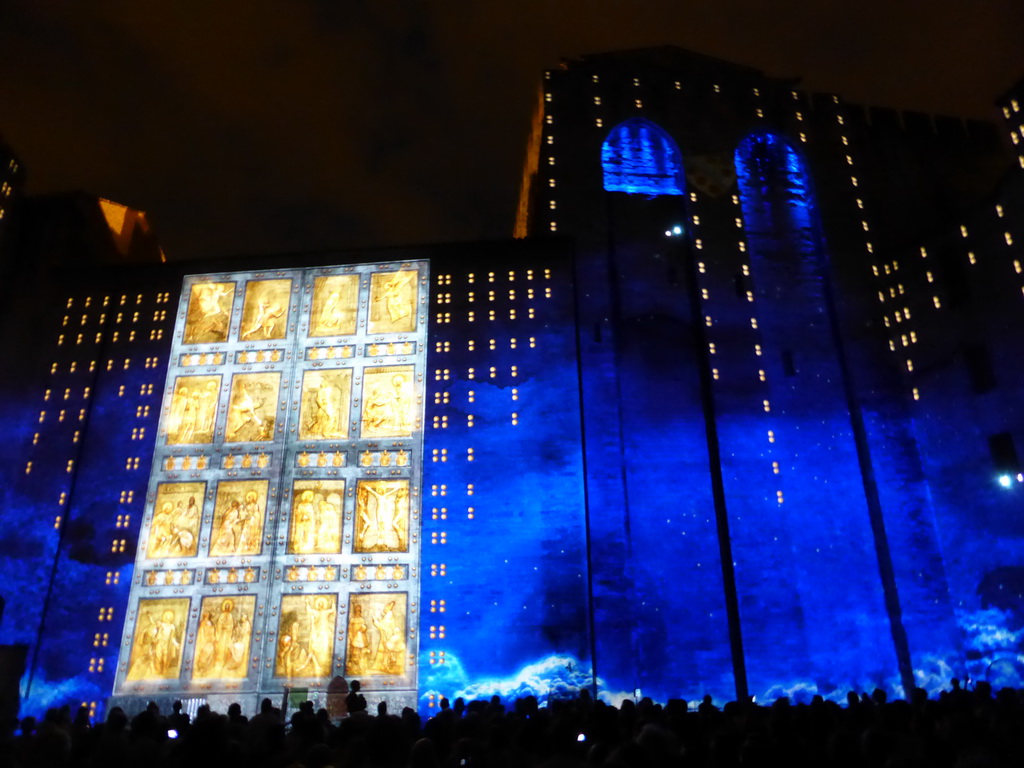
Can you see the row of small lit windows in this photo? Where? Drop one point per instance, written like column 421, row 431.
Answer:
column 441, row 455
column 442, row 490
column 445, row 346
column 67, row 393
column 60, row 417
column 899, row 316
column 161, row 298
column 446, row 298
column 158, row 315
column 5, row 189
column 150, row 362
column 154, row 335
column 443, row 374
column 906, row 340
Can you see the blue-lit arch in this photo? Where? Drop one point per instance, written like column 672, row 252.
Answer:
column 776, row 196
column 640, row 158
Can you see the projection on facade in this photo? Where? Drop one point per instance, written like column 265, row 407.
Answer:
column 280, row 541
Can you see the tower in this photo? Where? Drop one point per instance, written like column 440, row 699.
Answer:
column 752, row 458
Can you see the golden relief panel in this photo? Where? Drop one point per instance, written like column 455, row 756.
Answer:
column 209, row 313
column 317, row 507
column 222, row 640
column 265, row 310
column 393, row 301
column 382, row 516
column 252, row 407
column 158, row 641
column 325, row 402
column 376, row 635
column 305, row 645
column 174, row 531
column 238, row 517
column 389, row 397
column 192, row 417
column 335, row 301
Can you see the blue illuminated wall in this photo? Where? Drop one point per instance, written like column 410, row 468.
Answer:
column 505, row 577
column 81, row 419
column 798, row 510
column 742, row 362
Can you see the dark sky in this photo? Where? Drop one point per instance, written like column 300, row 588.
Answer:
column 260, row 126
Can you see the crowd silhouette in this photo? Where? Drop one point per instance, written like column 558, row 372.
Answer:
column 959, row 729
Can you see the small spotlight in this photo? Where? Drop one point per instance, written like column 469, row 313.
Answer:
column 1004, row 480
column 677, row 230
column 668, row 233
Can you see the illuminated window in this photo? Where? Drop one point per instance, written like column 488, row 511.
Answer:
column 757, row 350
column 638, row 157
column 1008, row 238
column 999, row 211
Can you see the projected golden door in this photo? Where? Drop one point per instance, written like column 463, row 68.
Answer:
column 279, row 543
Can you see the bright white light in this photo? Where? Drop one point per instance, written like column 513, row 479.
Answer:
column 1020, row 477
column 668, row 233
column 677, row 230
column 1004, row 480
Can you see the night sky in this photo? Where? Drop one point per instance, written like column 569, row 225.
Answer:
column 251, row 126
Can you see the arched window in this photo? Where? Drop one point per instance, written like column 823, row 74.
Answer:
column 639, row 158
column 776, row 196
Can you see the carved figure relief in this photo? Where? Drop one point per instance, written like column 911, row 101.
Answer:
column 388, row 402
column 265, row 311
column 376, row 635
column 325, row 404
column 238, row 517
column 335, row 300
column 317, row 507
column 382, row 516
column 193, row 412
column 393, row 301
column 209, row 313
column 174, row 530
column 223, row 636
column 252, row 408
column 305, row 645
column 158, row 640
